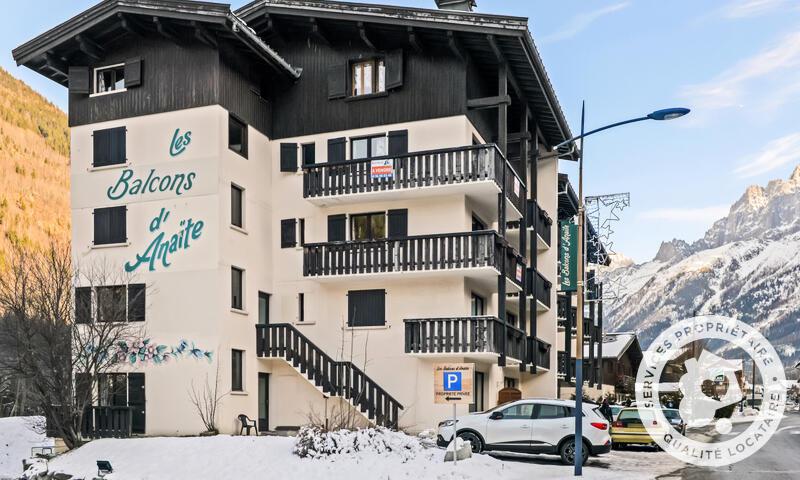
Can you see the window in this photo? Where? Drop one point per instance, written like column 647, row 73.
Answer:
column 301, row 307
column 237, row 288
column 478, row 224
column 237, row 210
column 237, row 370
column 366, row 308
column 368, row 226
column 83, row 305
column 369, row 147
column 114, row 303
column 509, row 382
column 263, row 308
column 520, row 411
column 546, row 411
column 478, row 305
column 237, row 136
column 111, row 304
column 112, row 389
column 109, row 79
column 308, row 154
column 368, row 77
column 108, row 147
column 511, row 319
column 289, row 233
column 110, row 225
column 337, row 228
column 136, row 302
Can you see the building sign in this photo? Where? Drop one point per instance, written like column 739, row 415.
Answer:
column 128, row 185
column 568, row 256
column 519, row 273
column 517, row 186
column 381, row 169
column 179, row 142
column 452, row 383
column 160, row 250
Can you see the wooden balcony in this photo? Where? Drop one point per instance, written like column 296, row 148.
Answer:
column 475, row 337
column 478, row 171
column 539, row 288
column 106, row 422
column 538, row 353
column 540, row 222
column 478, row 254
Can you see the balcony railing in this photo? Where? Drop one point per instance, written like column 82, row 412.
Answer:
column 106, row 422
column 428, row 168
column 539, row 287
column 538, row 352
column 463, row 335
column 540, row 221
column 437, row 252
column 562, row 364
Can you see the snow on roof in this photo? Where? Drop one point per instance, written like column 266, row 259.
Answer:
column 614, row 345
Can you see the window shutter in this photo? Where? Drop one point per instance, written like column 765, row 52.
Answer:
column 102, row 227
column 337, row 150
column 117, row 145
column 394, row 69
column 289, row 233
column 101, row 140
column 288, row 157
column 398, row 142
column 79, row 80
column 337, row 226
column 366, row 308
column 398, row 223
column 133, row 72
column 83, row 305
column 118, row 224
column 309, row 154
column 136, row 302
column 337, row 81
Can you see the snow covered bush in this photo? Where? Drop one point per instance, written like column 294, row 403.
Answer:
column 314, row 442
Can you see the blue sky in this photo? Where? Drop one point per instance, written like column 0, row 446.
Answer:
column 735, row 63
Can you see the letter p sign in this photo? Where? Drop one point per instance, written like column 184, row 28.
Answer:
column 452, row 381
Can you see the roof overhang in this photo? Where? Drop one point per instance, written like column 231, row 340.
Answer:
column 483, row 36
column 73, row 41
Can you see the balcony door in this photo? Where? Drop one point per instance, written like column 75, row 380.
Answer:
column 263, row 308
column 263, row 402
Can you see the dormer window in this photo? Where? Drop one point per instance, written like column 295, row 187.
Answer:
column 368, row 77
column 109, row 79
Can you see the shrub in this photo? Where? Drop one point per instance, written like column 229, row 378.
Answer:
column 313, row 442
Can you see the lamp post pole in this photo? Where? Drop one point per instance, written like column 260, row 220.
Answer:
column 665, row 114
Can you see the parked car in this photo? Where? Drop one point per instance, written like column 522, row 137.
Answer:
column 531, row 426
column 615, row 409
column 674, row 418
column 629, row 427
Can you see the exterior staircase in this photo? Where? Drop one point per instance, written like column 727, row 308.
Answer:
column 335, row 378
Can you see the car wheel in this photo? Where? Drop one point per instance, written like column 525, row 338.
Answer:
column 477, row 444
column 567, row 452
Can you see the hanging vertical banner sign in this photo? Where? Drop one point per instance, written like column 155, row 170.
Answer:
column 381, row 169
column 568, row 256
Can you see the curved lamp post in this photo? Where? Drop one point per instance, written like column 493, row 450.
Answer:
column 664, row 114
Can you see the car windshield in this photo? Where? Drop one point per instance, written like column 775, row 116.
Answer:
column 671, row 414
column 636, row 416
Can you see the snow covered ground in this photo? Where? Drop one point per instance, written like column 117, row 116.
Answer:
column 254, row 457
column 17, row 436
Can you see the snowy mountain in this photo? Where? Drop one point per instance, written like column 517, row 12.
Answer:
column 746, row 266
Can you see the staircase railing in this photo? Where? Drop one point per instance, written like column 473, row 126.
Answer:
column 334, row 377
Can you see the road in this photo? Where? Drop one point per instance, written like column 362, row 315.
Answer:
column 777, row 460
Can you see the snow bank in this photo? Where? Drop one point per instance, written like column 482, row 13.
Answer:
column 17, row 436
column 312, row 442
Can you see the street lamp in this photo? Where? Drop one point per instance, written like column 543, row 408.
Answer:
column 664, row 114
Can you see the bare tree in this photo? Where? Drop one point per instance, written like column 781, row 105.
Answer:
column 57, row 348
column 206, row 400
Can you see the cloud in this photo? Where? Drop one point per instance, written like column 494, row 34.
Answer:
column 699, row 214
column 581, row 21
column 775, row 154
column 750, row 8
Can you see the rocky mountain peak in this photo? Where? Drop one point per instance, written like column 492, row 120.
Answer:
column 674, row 249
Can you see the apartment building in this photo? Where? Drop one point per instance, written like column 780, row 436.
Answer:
column 314, row 202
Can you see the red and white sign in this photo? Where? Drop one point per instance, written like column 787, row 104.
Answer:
column 381, row 169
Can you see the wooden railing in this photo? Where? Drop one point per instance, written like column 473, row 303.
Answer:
column 106, row 422
column 562, row 364
column 540, row 221
column 539, row 287
column 338, row 378
column 408, row 254
column 478, row 334
column 538, row 352
column 415, row 170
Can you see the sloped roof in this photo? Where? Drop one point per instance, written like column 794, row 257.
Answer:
column 616, row 344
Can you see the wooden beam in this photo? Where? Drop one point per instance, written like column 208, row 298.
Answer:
column 455, row 46
column 271, row 28
column 130, row 25
column 488, row 102
column 317, row 33
column 414, row 40
column 55, row 64
column 502, row 111
column 501, row 60
column 89, row 47
column 362, row 32
column 203, row 35
column 165, row 31
column 518, row 136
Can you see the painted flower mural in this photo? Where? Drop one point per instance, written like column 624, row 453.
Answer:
column 145, row 351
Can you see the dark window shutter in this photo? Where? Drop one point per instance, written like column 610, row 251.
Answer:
column 133, row 72
column 309, row 154
column 83, row 305
column 366, row 308
column 337, row 81
column 398, row 142
column 288, row 157
column 80, row 80
column 102, row 226
column 109, row 146
column 118, row 225
column 394, row 69
column 136, row 400
column 289, row 233
column 337, row 150
column 117, row 146
column 398, row 223
column 337, row 227
column 136, row 302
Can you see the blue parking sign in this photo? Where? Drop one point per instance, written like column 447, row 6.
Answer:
column 451, row 381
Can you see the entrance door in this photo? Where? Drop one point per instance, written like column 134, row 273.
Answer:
column 263, row 402
column 136, row 402
column 263, row 308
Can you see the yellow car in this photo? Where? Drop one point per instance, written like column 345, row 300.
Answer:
column 629, row 427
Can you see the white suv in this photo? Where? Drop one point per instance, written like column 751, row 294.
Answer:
column 531, row 426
